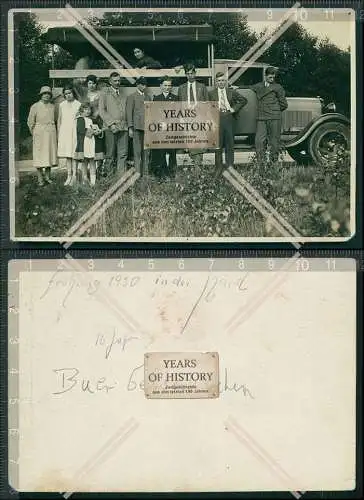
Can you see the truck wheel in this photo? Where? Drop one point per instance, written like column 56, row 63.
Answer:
column 327, row 138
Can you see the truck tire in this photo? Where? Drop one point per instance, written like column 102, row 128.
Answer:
column 325, row 138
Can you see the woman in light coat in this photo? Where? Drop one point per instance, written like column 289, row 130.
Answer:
column 42, row 126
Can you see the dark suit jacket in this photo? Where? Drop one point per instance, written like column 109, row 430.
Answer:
column 202, row 94
column 271, row 100
column 158, row 152
column 160, row 97
column 236, row 100
column 135, row 110
column 148, row 62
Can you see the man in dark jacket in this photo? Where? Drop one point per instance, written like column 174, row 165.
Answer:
column 135, row 121
column 193, row 92
column 159, row 165
column 145, row 62
column 229, row 102
column 271, row 102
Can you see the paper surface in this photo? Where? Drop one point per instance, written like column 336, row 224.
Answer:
column 285, row 415
column 186, row 375
column 172, row 125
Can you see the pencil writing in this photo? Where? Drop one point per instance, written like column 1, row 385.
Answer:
column 69, row 379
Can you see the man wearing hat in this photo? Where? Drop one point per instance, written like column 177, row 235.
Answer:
column 271, row 102
column 41, row 123
column 135, row 121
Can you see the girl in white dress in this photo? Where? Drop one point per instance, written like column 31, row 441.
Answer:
column 85, row 146
column 66, row 126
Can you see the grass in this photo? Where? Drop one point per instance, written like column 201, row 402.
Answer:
column 315, row 201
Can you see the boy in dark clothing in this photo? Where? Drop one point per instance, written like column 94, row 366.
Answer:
column 135, row 119
column 160, row 168
column 271, row 101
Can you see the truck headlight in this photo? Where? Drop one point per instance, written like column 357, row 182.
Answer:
column 330, row 107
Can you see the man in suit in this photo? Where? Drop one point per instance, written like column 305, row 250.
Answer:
column 145, row 62
column 193, row 92
column 112, row 109
column 135, row 120
column 271, row 102
column 160, row 167
column 230, row 102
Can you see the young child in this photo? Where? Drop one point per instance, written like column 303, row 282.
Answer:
column 87, row 146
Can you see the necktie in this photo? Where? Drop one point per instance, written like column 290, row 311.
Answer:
column 117, row 91
column 223, row 104
column 192, row 97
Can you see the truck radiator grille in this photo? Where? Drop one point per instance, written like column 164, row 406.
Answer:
column 296, row 120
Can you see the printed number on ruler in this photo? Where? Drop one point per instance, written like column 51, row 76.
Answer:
column 302, row 265
column 331, row 264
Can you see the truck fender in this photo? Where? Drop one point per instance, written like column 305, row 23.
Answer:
column 310, row 127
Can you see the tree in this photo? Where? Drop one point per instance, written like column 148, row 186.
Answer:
column 332, row 74
column 31, row 65
column 232, row 35
column 294, row 53
column 310, row 67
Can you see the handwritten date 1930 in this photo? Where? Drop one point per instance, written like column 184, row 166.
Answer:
column 69, row 379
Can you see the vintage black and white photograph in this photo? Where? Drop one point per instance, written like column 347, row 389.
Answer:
column 182, row 125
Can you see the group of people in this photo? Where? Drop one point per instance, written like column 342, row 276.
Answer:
column 73, row 133
column 93, row 135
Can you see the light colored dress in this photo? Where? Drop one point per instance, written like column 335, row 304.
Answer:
column 93, row 98
column 41, row 123
column 89, row 142
column 67, row 128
